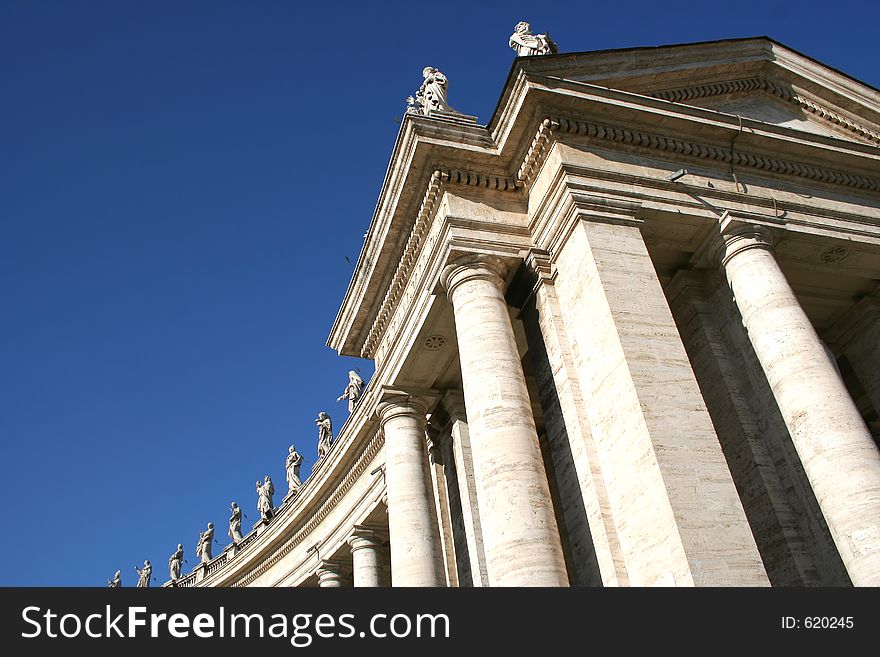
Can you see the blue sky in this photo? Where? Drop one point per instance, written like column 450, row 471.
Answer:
column 180, row 185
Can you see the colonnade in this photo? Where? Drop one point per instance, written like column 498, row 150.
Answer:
column 520, row 539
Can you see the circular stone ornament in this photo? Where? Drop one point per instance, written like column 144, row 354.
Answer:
column 435, row 342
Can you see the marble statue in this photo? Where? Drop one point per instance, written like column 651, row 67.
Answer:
column 431, row 96
column 235, row 523
column 325, row 434
column 116, row 582
column 145, row 574
column 206, row 540
column 525, row 43
column 265, row 491
column 175, row 563
column 293, row 463
column 353, row 390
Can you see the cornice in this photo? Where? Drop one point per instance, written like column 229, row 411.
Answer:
column 743, row 85
column 539, row 148
column 415, row 241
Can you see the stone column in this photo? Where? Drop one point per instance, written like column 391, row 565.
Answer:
column 329, row 574
column 412, row 518
column 520, row 535
column 453, row 402
column 839, row 457
column 365, row 544
column 436, row 467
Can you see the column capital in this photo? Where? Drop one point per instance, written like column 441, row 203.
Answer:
column 413, row 403
column 538, row 261
column 434, row 437
column 329, row 570
column 453, row 404
column 738, row 236
column 473, row 266
column 365, row 536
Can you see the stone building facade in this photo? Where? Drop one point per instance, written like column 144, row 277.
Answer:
column 626, row 334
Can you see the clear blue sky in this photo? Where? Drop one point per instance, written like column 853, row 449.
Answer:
column 180, row 183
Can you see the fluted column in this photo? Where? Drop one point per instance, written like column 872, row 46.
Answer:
column 365, row 544
column 329, row 574
column 520, row 535
column 412, row 519
column 839, row 457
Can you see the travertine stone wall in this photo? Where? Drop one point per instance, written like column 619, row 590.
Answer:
column 858, row 336
column 677, row 512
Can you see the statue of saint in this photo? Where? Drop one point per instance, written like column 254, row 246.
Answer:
column 353, row 390
column 206, row 540
column 145, row 574
column 235, row 523
column 116, row 582
column 525, row 43
column 431, row 96
column 265, row 491
column 325, row 434
column 175, row 563
column 293, row 463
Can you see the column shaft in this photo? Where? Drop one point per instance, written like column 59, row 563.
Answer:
column 329, row 575
column 838, row 454
column 365, row 557
column 412, row 519
column 520, row 535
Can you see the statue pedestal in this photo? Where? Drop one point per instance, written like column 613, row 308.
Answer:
column 201, row 572
column 260, row 525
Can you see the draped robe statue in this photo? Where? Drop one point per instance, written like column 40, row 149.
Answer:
column 265, row 491
column 353, row 390
column 175, row 563
column 325, row 434
column 235, row 523
column 293, row 464
column 206, row 540
column 525, row 43
column 145, row 574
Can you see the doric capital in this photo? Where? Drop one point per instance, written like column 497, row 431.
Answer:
column 434, row 436
column 470, row 267
column 329, row 570
column 365, row 536
column 403, row 405
column 738, row 236
column 453, row 404
column 395, row 403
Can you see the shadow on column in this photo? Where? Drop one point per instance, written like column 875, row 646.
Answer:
column 782, row 510
column 571, row 514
